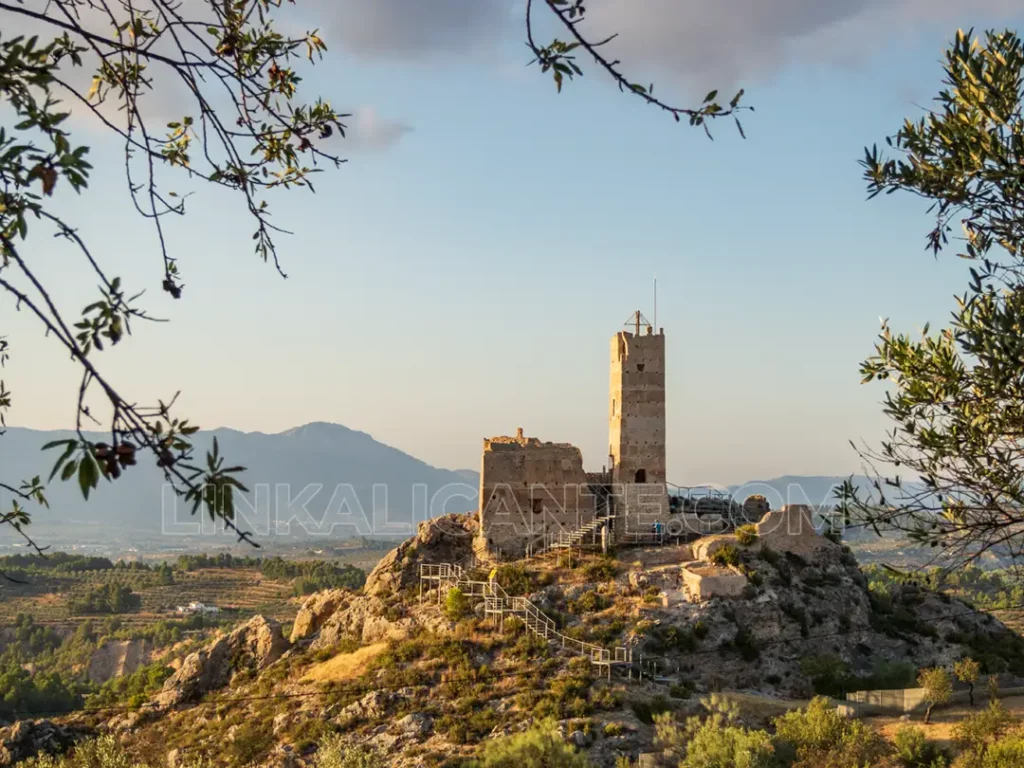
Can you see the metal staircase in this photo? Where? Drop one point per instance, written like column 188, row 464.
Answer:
column 499, row 604
column 570, row 539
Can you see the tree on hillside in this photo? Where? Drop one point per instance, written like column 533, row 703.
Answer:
column 230, row 79
column 967, row 671
column 951, row 470
column 938, row 688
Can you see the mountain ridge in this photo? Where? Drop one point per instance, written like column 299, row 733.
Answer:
column 325, row 477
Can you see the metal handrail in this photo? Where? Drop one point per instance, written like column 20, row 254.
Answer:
column 569, row 538
column 497, row 600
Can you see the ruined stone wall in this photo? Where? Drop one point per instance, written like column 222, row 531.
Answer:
column 529, row 488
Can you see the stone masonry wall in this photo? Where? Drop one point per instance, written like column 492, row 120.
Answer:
column 637, row 408
column 636, row 429
column 529, row 488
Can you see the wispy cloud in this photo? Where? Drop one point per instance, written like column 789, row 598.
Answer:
column 413, row 28
column 723, row 42
column 367, row 130
column 695, row 42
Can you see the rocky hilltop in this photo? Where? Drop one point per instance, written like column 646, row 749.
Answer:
column 424, row 677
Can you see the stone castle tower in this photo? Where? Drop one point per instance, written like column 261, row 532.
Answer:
column 636, row 419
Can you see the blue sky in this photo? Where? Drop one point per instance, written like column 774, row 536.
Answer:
column 461, row 275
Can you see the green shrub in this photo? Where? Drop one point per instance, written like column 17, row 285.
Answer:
column 681, row 690
column 746, row 534
column 974, row 732
column 588, row 602
column 714, row 741
column 1007, row 752
column 614, row 729
column 726, row 555
column 539, row 747
column 770, row 556
column 603, row 569
column 829, row 674
column 745, row 644
column 819, row 735
column 529, row 646
column 103, row 752
column 714, row 745
column 913, row 750
column 573, row 695
column 335, row 753
column 670, row 638
column 891, row 674
column 251, row 743
column 456, row 605
column 307, row 732
column 514, row 579
column 468, row 727
column 648, row 709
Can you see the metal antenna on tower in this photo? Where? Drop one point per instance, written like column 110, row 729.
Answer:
column 655, row 302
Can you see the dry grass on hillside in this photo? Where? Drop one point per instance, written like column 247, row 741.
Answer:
column 344, row 666
column 940, row 729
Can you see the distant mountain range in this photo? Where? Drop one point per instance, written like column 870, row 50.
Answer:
column 818, row 490
column 318, row 480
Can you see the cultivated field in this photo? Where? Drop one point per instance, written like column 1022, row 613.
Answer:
column 238, row 592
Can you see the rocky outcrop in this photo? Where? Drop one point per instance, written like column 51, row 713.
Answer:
column 705, row 547
column 315, row 612
column 800, row 610
column 380, row 612
column 253, row 646
column 366, row 619
column 373, row 705
column 31, row 738
column 791, row 529
column 446, row 539
column 416, row 724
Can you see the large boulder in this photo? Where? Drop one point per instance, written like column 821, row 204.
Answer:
column 416, row 724
column 31, row 738
column 366, row 619
column 254, row 646
column 315, row 612
column 445, row 539
column 705, row 547
column 791, row 529
column 373, row 705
